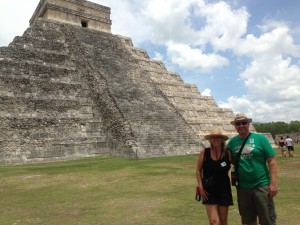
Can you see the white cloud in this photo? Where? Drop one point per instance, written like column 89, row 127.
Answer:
column 169, row 21
column 15, row 16
column 206, row 92
column 273, row 42
column 273, row 78
column 127, row 19
column 224, row 26
column 261, row 111
column 191, row 58
column 273, row 90
column 158, row 56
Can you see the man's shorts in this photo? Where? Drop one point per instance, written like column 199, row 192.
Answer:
column 255, row 203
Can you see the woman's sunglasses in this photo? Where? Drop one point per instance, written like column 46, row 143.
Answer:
column 241, row 123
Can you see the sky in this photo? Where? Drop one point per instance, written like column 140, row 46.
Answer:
column 244, row 53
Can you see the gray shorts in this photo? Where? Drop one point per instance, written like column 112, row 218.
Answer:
column 255, row 203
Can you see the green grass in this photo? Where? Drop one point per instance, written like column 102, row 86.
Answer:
column 123, row 191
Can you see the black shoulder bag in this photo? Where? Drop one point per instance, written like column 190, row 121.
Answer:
column 234, row 174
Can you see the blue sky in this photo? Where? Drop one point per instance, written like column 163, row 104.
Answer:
column 244, row 53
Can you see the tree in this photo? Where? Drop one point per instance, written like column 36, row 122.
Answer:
column 278, row 127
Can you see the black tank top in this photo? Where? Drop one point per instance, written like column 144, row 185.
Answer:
column 281, row 143
column 220, row 192
column 218, row 168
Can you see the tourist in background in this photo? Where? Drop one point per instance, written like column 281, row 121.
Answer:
column 290, row 146
column 213, row 165
column 257, row 182
column 282, row 147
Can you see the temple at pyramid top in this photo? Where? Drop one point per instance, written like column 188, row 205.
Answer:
column 76, row 12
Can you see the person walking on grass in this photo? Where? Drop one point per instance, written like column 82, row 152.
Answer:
column 290, row 146
column 213, row 165
column 282, row 146
column 256, row 173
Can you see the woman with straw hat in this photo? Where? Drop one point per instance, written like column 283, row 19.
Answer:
column 213, row 165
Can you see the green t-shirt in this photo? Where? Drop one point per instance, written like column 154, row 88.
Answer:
column 253, row 170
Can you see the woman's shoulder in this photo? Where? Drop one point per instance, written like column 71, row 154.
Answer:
column 204, row 149
column 204, row 153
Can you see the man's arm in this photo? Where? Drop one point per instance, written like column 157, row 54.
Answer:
column 273, row 176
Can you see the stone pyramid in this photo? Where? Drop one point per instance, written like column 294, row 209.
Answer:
column 69, row 88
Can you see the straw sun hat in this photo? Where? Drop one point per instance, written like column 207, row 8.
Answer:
column 216, row 132
column 241, row 117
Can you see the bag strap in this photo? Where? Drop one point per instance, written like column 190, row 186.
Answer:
column 236, row 165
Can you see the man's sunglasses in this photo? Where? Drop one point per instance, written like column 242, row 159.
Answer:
column 241, row 123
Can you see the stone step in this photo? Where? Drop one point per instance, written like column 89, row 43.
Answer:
column 25, row 52
column 25, row 84
column 35, row 68
column 40, row 43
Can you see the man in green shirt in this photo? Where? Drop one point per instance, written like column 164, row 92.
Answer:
column 257, row 174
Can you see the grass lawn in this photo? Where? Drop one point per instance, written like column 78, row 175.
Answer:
column 122, row 191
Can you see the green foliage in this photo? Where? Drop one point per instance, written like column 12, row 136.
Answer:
column 278, row 127
column 122, row 191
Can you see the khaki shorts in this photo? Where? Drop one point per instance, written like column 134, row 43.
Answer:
column 255, row 203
